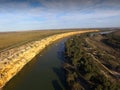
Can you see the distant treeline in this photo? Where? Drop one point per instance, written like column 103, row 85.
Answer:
column 113, row 39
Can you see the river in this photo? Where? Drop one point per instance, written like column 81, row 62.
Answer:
column 44, row 72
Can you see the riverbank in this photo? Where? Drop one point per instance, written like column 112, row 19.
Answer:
column 45, row 69
column 91, row 64
column 24, row 54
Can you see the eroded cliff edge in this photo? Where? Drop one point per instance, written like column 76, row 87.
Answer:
column 13, row 60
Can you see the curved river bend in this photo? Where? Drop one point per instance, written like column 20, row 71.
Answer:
column 42, row 73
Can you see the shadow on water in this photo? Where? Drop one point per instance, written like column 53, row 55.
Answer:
column 56, row 85
column 60, row 72
column 61, row 75
column 60, row 52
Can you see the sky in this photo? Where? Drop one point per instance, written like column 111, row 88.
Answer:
column 57, row 14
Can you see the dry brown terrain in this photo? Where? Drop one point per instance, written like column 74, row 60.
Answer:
column 8, row 39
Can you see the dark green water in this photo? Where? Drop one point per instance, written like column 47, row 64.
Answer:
column 43, row 72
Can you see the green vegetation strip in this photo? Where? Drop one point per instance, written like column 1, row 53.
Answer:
column 83, row 72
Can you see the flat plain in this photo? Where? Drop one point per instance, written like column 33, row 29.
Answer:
column 12, row 39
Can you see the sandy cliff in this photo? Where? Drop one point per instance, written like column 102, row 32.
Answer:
column 13, row 60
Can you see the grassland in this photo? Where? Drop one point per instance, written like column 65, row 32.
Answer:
column 12, row 39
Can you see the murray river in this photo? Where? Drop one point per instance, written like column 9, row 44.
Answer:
column 44, row 72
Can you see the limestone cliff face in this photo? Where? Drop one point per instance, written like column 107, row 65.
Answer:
column 13, row 60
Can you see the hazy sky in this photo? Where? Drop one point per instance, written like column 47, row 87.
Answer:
column 50, row 14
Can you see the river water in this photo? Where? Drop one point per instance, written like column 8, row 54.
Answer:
column 44, row 72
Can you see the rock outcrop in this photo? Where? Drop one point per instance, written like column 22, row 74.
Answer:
column 13, row 60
